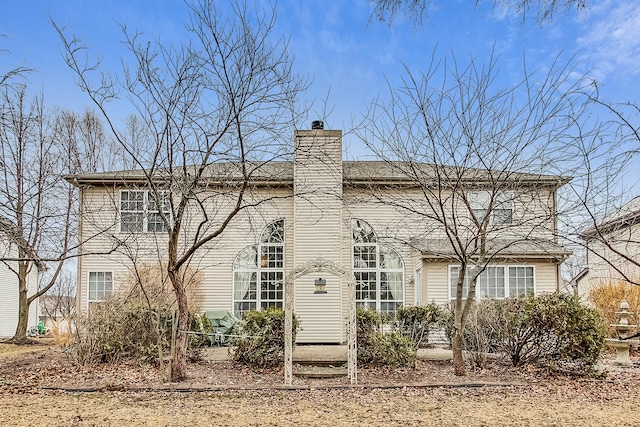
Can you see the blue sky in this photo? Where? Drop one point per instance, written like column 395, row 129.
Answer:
column 348, row 55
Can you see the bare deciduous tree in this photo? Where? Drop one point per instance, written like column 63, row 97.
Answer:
column 212, row 112
column 36, row 206
column 543, row 10
column 604, row 214
column 486, row 161
column 7, row 76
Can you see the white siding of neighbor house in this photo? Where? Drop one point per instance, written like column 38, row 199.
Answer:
column 607, row 266
column 9, row 293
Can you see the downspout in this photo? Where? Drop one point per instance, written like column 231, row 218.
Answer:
column 79, row 263
column 555, row 233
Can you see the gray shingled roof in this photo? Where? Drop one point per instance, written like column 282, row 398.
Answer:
column 441, row 249
column 354, row 172
column 627, row 215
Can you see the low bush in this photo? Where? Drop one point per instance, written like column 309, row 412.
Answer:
column 260, row 341
column 417, row 322
column 369, row 324
column 482, row 331
column 553, row 329
column 573, row 332
column 378, row 345
column 112, row 331
column 136, row 320
column 391, row 349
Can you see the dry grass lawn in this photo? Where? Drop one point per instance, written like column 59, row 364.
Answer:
column 7, row 350
column 33, row 383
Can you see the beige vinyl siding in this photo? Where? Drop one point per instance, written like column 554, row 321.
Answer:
column 546, row 277
column 604, row 263
column 436, row 279
column 532, row 213
column 317, row 233
column 214, row 260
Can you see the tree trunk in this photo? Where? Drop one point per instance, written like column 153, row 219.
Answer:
column 179, row 361
column 23, row 306
column 456, row 344
column 458, row 360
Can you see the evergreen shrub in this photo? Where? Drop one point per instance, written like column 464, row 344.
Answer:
column 260, row 341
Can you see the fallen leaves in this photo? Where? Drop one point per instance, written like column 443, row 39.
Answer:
column 137, row 393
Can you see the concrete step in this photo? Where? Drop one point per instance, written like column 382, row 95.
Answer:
column 321, row 355
column 320, row 372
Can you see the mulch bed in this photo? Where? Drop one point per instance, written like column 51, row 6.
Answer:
column 52, row 370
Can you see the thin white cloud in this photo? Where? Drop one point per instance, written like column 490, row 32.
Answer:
column 612, row 39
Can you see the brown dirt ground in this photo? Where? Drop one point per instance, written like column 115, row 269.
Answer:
column 43, row 388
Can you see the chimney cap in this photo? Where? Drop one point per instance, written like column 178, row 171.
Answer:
column 317, row 124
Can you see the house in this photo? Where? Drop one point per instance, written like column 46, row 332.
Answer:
column 56, row 311
column 9, row 289
column 321, row 206
column 613, row 248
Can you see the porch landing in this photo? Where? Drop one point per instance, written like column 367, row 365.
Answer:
column 326, row 354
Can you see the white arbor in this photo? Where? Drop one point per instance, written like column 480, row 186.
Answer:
column 320, row 265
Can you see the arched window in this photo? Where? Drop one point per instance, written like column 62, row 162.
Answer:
column 258, row 272
column 379, row 271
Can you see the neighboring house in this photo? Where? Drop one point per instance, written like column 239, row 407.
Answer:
column 9, row 290
column 321, row 206
column 56, row 311
column 613, row 248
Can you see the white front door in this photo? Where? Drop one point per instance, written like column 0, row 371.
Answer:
column 319, row 315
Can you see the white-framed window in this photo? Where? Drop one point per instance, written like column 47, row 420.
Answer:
column 378, row 269
column 140, row 212
column 501, row 211
column 496, row 281
column 258, row 272
column 100, row 285
column 521, row 280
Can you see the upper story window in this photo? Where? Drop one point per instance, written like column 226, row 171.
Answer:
column 501, row 210
column 258, row 272
column 141, row 212
column 379, row 271
column 496, row 281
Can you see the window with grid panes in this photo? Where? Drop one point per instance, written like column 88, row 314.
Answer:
column 140, row 212
column 132, row 211
column 521, row 281
column 500, row 209
column 100, row 285
column 379, row 271
column 258, row 272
